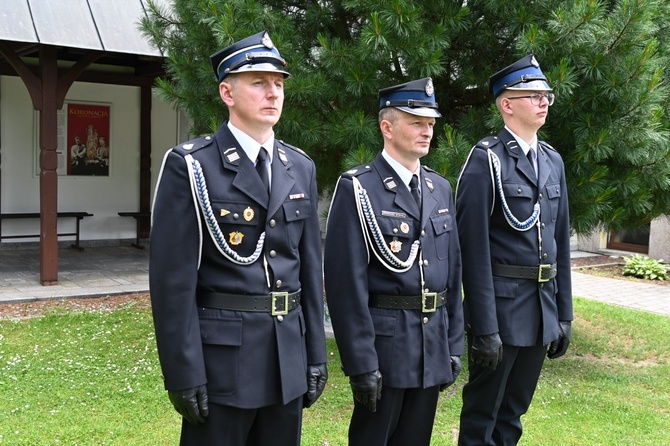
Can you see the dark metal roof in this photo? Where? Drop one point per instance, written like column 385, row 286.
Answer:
column 99, row 25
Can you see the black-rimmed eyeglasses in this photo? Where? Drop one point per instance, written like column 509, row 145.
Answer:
column 536, row 98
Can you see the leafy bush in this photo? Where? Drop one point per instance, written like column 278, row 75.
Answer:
column 645, row 268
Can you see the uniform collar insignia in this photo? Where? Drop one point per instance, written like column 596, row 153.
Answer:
column 231, row 155
column 430, row 184
column 390, row 183
column 282, row 156
column 513, row 145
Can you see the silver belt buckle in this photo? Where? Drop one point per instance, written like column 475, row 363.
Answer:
column 428, row 302
column 280, row 298
column 539, row 273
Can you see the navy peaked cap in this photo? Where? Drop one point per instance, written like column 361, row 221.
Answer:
column 255, row 53
column 524, row 74
column 415, row 97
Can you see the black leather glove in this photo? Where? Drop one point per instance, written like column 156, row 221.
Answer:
column 486, row 350
column 558, row 347
column 367, row 389
column 456, row 366
column 455, row 371
column 317, row 375
column 191, row 403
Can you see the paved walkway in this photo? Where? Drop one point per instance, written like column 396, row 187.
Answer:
column 93, row 272
column 103, row 271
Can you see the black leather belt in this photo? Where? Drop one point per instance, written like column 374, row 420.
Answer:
column 274, row 303
column 540, row 273
column 427, row 302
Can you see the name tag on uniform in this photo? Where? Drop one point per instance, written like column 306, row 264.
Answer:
column 394, row 214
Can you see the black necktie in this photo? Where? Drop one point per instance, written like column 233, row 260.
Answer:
column 414, row 189
column 531, row 158
column 262, row 169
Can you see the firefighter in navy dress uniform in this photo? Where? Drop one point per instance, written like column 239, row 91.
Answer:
column 235, row 267
column 393, row 277
column 512, row 212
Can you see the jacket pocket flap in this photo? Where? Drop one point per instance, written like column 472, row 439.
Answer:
column 221, row 331
column 442, row 223
column 553, row 190
column 505, row 288
column 297, row 210
column 395, row 227
column 384, row 325
column 518, row 190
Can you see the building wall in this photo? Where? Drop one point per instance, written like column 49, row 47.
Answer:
column 101, row 196
column 659, row 240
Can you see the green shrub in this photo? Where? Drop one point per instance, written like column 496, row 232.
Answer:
column 645, row 268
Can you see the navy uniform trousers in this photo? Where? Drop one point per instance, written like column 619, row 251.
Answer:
column 524, row 312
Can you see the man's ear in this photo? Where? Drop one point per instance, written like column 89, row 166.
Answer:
column 386, row 128
column 226, row 93
column 506, row 106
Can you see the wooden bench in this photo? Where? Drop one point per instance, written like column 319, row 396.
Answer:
column 138, row 216
column 27, row 215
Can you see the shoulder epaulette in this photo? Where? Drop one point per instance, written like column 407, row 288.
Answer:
column 294, row 148
column 356, row 171
column 488, row 142
column 428, row 169
column 195, row 144
column 547, row 146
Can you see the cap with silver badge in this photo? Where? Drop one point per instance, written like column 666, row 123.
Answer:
column 524, row 74
column 415, row 97
column 255, row 53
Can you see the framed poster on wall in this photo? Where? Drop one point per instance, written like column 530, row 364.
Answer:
column 87, row 133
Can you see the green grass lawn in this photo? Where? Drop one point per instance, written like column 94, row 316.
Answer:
column 93, row 379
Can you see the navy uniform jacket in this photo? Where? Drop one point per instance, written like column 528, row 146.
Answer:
column 409, row 351
column 247, row 359
column 523, row 312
